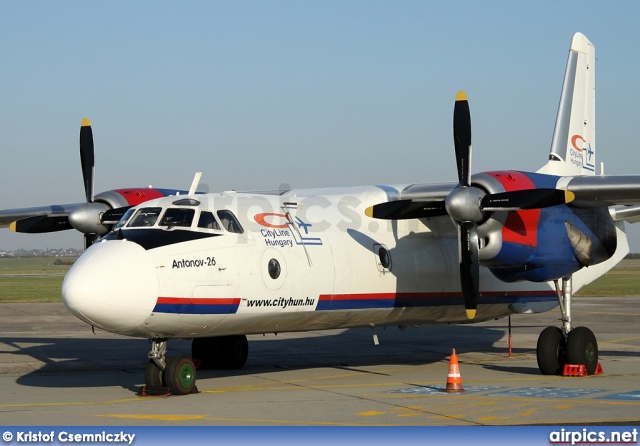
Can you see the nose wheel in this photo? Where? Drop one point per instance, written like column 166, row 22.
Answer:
column 176, row 374
column 559, row 346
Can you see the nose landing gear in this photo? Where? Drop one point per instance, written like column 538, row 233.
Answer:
column 559, row 346
column 177, row 374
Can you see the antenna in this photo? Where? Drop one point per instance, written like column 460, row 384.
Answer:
column 194, row 183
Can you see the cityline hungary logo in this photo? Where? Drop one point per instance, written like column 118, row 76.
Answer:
column 283, row 226
column 582, row 155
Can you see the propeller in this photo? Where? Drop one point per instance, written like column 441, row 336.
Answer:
column 87, row 218
column 462, row 204
column 468, row 205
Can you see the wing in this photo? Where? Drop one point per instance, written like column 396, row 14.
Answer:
column 621, row 192
column 38, row 219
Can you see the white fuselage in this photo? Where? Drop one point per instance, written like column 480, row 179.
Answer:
column 304, row 260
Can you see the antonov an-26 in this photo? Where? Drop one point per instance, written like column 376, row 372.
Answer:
column 217, row 267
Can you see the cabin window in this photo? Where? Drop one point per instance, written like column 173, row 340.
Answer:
column 229, row 221
column 145, row 217
column 274, row 269
column 177, row 217
column 208, row 221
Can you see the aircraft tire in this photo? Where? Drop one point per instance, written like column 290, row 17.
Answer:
column 234, row 351
column 180, row 375
column 582, row 348
column 153, row 375
column 550, row 351
column 221, row 352
column 203, row 350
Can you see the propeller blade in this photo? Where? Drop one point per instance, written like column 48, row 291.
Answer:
column 87, row 158
column 469, row 266
column 40, row 224
column 406, row 209
column 462, row 138
column 526, row 199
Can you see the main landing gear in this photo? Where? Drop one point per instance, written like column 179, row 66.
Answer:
column 178, row 373
column 560, row 346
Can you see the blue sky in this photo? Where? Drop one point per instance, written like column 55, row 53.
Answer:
column 260, row 93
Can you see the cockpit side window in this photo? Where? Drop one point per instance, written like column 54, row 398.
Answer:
column 229, row 221
column 177, row 217
column 145, row 217
column 208, row 221
column 127, row 215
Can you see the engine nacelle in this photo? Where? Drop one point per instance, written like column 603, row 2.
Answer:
column 531, row 244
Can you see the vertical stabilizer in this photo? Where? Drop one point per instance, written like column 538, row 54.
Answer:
column 573, row 148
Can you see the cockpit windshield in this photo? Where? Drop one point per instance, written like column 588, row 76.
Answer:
column 177, row 217
column 182, row 217
column 144, row 217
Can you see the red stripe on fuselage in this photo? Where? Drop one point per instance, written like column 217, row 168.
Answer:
column 135, row 196
column 431, row 294
column 521, row 227
column 199, row 300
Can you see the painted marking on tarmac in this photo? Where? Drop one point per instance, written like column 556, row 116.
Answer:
column 156, row 417
column 626, row 396
column 635, row 338
column 612, row 313
column 546, row 392
column 439, row 390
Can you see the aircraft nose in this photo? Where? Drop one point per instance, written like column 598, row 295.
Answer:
column 113, row 286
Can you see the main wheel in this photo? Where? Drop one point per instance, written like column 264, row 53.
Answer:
column 204, row 351
column 550, row 351
column 582, row 348
column 180, row 375
column 223, row 352
column 234, row 351
column 153, row 375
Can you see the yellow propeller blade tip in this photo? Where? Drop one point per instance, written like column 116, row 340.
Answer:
column 12, row 226
column 369, row 211
column 86, row 122
column 471, row 314
column 569, row 196
column 461, row 96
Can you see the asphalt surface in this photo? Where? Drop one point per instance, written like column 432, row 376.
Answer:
column 55, row 371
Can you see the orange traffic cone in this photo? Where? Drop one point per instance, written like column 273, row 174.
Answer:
column 454, row 380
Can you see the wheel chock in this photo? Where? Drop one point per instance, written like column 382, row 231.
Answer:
column 160, row 391
column 574, row 370
column 154, row 391
column 579, row 370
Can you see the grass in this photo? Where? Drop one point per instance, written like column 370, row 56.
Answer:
column 623, row 280
column 31, row 279
column 39, row 280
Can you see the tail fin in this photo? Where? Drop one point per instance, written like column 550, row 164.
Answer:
column 573, row 148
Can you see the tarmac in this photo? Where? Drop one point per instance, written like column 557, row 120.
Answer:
column 55, row 371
